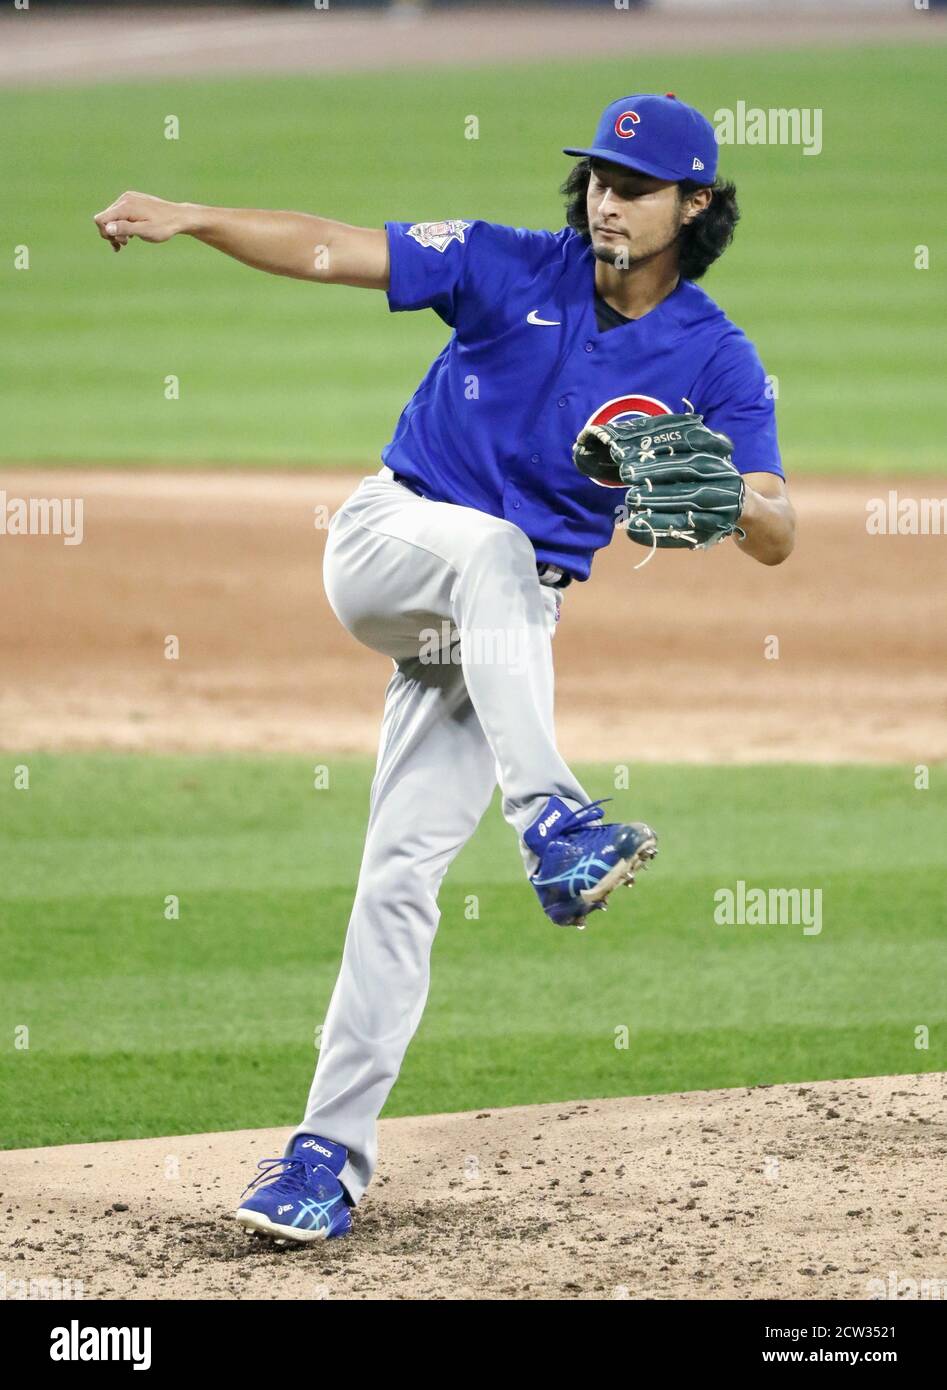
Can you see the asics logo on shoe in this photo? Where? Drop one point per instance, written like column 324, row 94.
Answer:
column 311, row 1144
column 288, row 1207
column 550, row 820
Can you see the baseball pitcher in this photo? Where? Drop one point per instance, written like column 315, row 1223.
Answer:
column 588, row 383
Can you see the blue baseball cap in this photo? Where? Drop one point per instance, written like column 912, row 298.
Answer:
column 656, row 135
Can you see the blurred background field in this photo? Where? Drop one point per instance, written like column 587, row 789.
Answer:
column 141, row 1025
column 272, row 372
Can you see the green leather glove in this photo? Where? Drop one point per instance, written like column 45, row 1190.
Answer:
column 683, row 490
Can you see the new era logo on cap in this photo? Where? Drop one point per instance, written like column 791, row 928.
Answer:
column 656, row 135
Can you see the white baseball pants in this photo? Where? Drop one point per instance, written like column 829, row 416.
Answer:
column 406, row 575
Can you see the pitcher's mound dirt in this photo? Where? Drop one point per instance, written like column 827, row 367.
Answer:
column 831, row 1189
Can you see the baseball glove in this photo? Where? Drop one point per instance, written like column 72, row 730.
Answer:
column 683, row 490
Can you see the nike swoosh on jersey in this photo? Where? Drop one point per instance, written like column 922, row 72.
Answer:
column 533, row 318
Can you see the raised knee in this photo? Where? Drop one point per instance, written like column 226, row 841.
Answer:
column 502, row 545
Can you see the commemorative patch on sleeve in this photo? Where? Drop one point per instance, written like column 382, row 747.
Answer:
column 438, row 234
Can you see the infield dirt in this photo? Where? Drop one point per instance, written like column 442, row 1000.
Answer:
column 126, row 44
column 825, row 1190
column 834, row 656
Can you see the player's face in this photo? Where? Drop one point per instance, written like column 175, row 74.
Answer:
column 631, row 216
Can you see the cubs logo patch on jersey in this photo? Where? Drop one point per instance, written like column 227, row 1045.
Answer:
column 438, row 234
column 624, row 408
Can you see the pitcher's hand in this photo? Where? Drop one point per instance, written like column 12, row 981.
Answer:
column 140, row 214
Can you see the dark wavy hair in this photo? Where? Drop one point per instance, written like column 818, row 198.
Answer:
column 701, row 241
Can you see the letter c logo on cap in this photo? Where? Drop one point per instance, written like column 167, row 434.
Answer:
column 625, row 125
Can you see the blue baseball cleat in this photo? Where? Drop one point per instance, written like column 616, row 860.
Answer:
column 305, row 1201
column 582, row 860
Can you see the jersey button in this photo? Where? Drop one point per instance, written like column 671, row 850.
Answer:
column 534, row 458
column 516, row 506
column 589, row 347
column 561, row 402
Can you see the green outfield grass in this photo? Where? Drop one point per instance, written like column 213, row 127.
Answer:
column 140, row 1025
column 280, row 373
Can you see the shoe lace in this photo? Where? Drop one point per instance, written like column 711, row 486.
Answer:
column 297, row 1173
column 575, row 820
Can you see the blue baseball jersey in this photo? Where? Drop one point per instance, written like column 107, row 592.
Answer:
column 492, row 424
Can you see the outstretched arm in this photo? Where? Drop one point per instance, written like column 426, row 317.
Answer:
column 282, row 243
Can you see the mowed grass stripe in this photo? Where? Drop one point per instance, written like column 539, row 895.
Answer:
column 143, row 1025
